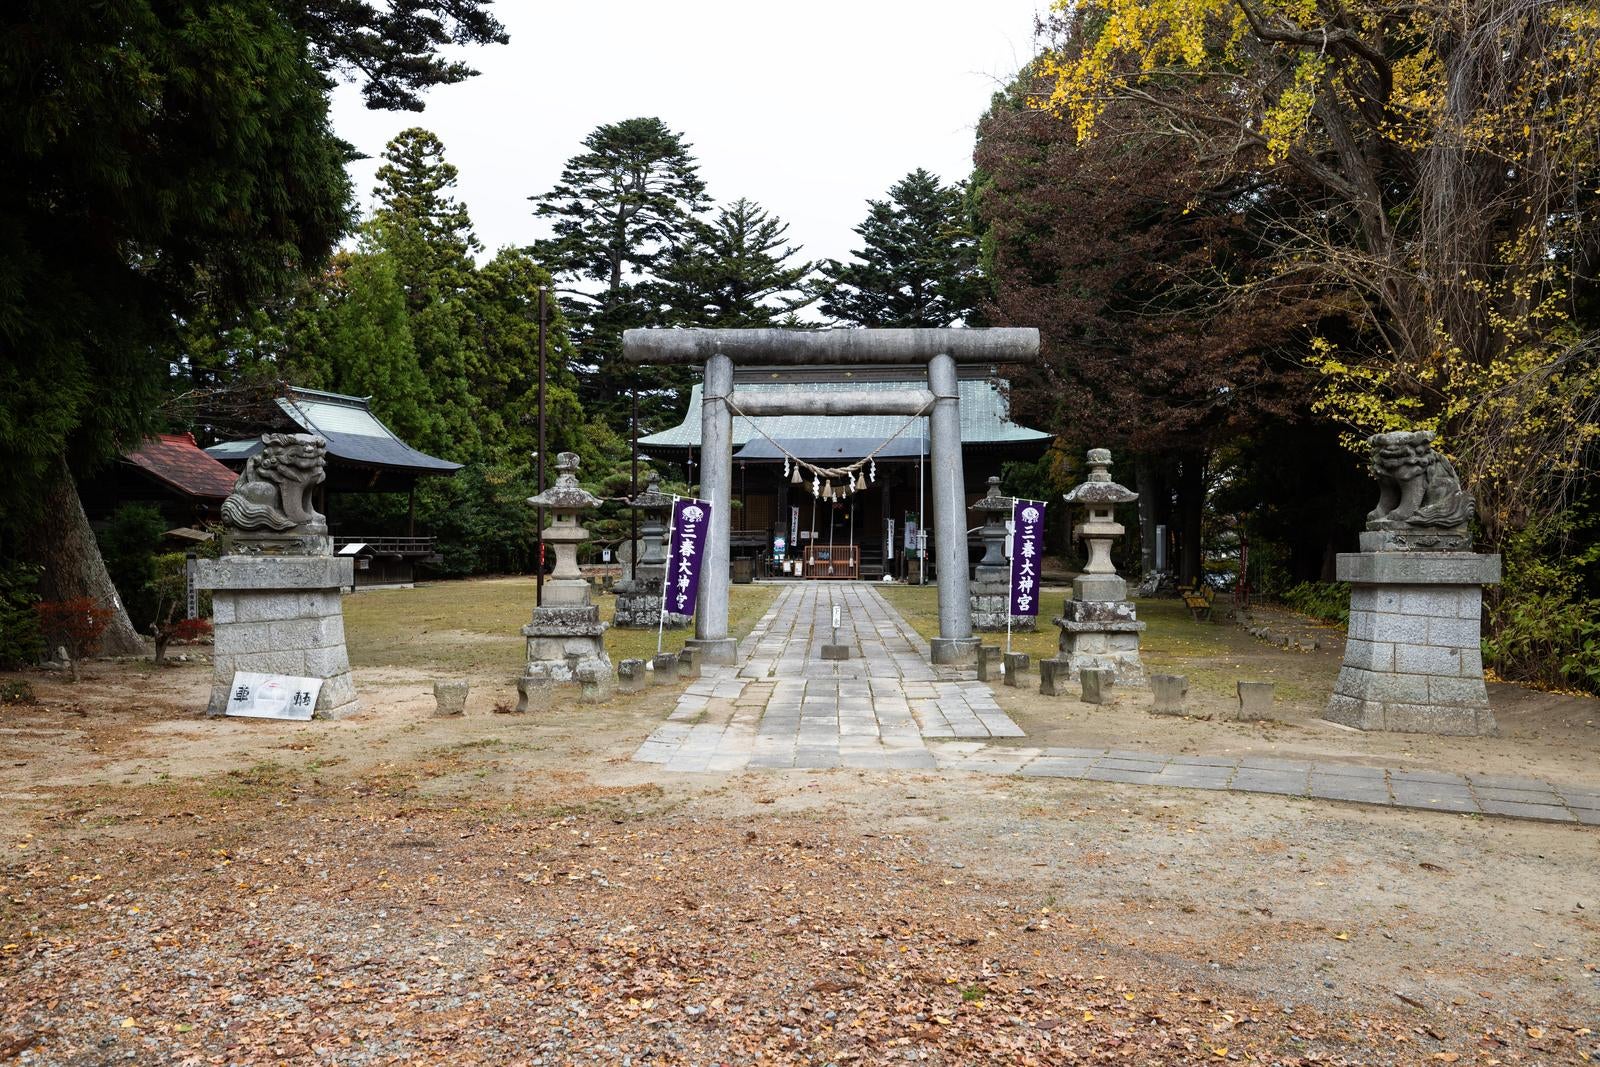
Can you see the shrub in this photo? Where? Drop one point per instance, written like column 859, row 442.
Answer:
column 1541, row 622
column 16, row 691
column 20, row 641
column 75, row 625
column 1329, row 601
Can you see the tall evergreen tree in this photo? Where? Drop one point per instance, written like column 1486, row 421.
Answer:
column 919, row 266
column 428, row 235
column 505, row 376
column 631, row 195
column 349, row 332
column 153, row 155
column 736, row 271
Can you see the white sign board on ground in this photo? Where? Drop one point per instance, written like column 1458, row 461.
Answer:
column 273, row 696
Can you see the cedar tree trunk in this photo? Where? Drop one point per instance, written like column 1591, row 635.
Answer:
column 1191, row 509
column 62, row 543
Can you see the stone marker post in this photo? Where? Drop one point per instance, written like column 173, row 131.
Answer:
column 275, row 590
column 1412, row 660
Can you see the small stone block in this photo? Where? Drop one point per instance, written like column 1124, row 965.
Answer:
column 689, row 665
column 666, row 668
column 631, row 676
column 594, row 684
column 1052, row 673
column 1170, row 691
column 835, row 651
column 1255, row 701
column 1097, row 684
column 1016, row 668
column 450, row 698
column 988, row 660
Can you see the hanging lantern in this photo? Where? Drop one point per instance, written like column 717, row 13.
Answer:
column 795, row 479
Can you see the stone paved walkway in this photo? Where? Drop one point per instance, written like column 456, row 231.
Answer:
column 783, row 706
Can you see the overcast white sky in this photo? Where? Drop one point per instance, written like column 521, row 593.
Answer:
column 808, row 108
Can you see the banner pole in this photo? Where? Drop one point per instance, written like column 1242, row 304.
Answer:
column 666, row 576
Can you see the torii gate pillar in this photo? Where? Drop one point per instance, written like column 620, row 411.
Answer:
column 941, row 350
column 716, row 482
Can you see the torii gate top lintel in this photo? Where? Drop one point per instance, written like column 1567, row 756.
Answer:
column 780, row 347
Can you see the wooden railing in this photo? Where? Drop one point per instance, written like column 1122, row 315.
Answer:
column 384, row 545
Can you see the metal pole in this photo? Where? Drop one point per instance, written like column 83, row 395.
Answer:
column 538, row 567
column 922, row 513
column 633, row 524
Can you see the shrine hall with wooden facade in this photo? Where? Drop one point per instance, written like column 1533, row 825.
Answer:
column 864, row 534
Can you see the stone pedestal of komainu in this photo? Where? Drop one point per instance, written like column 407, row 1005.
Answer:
column 1412, row 660
column 276, row 588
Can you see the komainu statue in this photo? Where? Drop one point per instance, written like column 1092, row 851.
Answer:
column 1421, row 503
column 274, row 492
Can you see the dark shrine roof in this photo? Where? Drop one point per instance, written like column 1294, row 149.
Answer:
column 985, row 418
column 354, row 434
column 176, row 461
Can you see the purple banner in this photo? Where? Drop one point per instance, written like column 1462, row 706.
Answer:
column 685, row 549
column 1027, row 543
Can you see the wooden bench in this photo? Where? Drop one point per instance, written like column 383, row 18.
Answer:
column 1198, row 599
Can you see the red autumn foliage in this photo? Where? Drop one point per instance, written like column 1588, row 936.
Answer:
column 76, row 625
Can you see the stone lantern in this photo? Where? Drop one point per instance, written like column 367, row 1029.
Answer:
column 639, row 597
column 991, row 579
column 566, row 633
column 1099, row 625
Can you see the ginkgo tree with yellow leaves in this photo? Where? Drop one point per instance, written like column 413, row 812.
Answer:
column 1439, row 163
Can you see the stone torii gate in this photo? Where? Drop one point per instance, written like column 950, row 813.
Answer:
column 940, row 350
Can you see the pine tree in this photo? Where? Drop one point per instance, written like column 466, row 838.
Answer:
column 631, row 195
column 736, row 271
column 428, row 236
column 920, row 263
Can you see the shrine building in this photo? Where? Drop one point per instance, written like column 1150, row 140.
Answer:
column 863, row 534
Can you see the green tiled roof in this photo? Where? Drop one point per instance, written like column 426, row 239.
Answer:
column 984, row 418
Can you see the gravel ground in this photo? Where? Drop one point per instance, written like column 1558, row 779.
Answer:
column 398, row 889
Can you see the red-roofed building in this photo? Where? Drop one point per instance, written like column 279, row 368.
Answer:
column 169, row 471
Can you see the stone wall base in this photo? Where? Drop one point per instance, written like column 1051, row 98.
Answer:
column 640, row 609
column 989, row 608
column 280, row 615
column 1412, row 659
column 563, row 640
column 1103, row 635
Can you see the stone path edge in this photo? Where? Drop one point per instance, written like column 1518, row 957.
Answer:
column 1486, row 795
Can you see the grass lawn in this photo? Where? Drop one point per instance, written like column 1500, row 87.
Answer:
column 1212, row 655
column 476, row 625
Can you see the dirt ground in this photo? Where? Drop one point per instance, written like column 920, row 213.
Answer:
column 497, row 889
